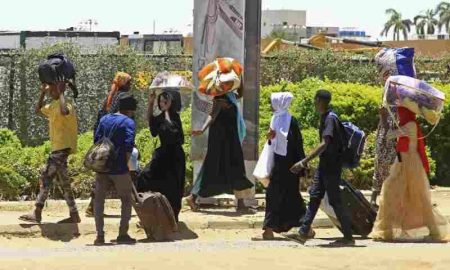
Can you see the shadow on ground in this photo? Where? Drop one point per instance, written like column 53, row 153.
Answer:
column 56, row 232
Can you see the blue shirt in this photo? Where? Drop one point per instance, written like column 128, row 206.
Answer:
column 121, row 130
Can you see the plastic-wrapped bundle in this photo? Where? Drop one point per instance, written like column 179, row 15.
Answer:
column 220, row 77
column 396, row 61
column 416, row 95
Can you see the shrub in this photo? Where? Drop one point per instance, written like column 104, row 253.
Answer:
column 11, row 183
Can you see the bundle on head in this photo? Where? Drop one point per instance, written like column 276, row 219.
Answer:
column 220, row 77
column 58, row 68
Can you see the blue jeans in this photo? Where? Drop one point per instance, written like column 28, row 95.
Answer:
column 327, row 181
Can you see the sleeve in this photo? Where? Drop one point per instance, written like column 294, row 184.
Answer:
column 329, row 130
column 154, row 125
column 130, row 131
column 299, row 152
column 46, row 110
column 98, row 132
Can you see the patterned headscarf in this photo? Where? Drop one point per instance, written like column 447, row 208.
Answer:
column 119, row 81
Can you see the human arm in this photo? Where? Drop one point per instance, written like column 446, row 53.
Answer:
column 40, row 102
column 130, row 133
column 63, row 108
column 98, row 134
column 211, row 118
column 315, row 153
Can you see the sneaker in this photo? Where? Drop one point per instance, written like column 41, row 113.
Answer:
column 99, row 241
column 125, row 239
column 343, row 242
column 35, row 216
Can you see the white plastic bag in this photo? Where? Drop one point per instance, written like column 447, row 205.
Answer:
column 264, row 166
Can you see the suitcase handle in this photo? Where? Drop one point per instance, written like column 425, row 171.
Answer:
column 135, row 194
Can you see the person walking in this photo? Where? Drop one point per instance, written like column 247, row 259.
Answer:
column 328, row 174
column 284, row 203
column 406, row 211
column 223, row 169
column 166, row 171
column 390, row 62
column 121, row 130
column 63, row 129
column 120, row 86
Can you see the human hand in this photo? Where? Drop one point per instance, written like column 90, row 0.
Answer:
column 299, row 166
column 151, row 96
column 44, row 88
column 196, row 132
column 271, row 134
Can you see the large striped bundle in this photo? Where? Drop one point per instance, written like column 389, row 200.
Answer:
column 220, row 77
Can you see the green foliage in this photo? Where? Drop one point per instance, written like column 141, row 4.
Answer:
column 9, row 138
column 11, row 183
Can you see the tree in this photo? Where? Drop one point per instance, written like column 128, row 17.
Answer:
column 398, row 24
column 443, row 10
column 426, row 21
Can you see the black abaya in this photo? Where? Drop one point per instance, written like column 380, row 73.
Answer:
column 284, row 203
column 166, row 171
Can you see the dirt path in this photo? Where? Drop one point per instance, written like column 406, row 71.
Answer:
column 220, row 249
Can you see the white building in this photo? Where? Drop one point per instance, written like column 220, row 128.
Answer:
column 290, row 21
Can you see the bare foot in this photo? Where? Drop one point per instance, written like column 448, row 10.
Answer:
column 192, row 204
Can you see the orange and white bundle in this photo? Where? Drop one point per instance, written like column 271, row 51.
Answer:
column 220, row 77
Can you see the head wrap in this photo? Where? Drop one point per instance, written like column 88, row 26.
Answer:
column 405, row 116
column 119, row 81
column 281, row 121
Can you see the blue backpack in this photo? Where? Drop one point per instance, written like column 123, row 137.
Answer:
column 353, row 142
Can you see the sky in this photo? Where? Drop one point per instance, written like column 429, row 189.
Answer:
column 139, row 15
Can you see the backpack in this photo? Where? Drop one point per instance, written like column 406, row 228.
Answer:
column 353, row 142
column 102, row 155
column 56, row 68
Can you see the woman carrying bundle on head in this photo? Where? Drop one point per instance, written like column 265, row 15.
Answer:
column 223, row 170
column 406, row 211
column 166, row 171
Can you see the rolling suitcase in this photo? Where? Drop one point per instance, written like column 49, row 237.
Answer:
column 155, row 214
column 362, row 213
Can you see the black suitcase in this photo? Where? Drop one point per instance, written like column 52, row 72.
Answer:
column 362, row 213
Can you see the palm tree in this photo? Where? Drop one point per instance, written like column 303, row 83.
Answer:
column 397, row 23
column 426, row 20
column 443, row 9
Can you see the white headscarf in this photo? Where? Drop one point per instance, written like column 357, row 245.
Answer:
column 281, row 121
